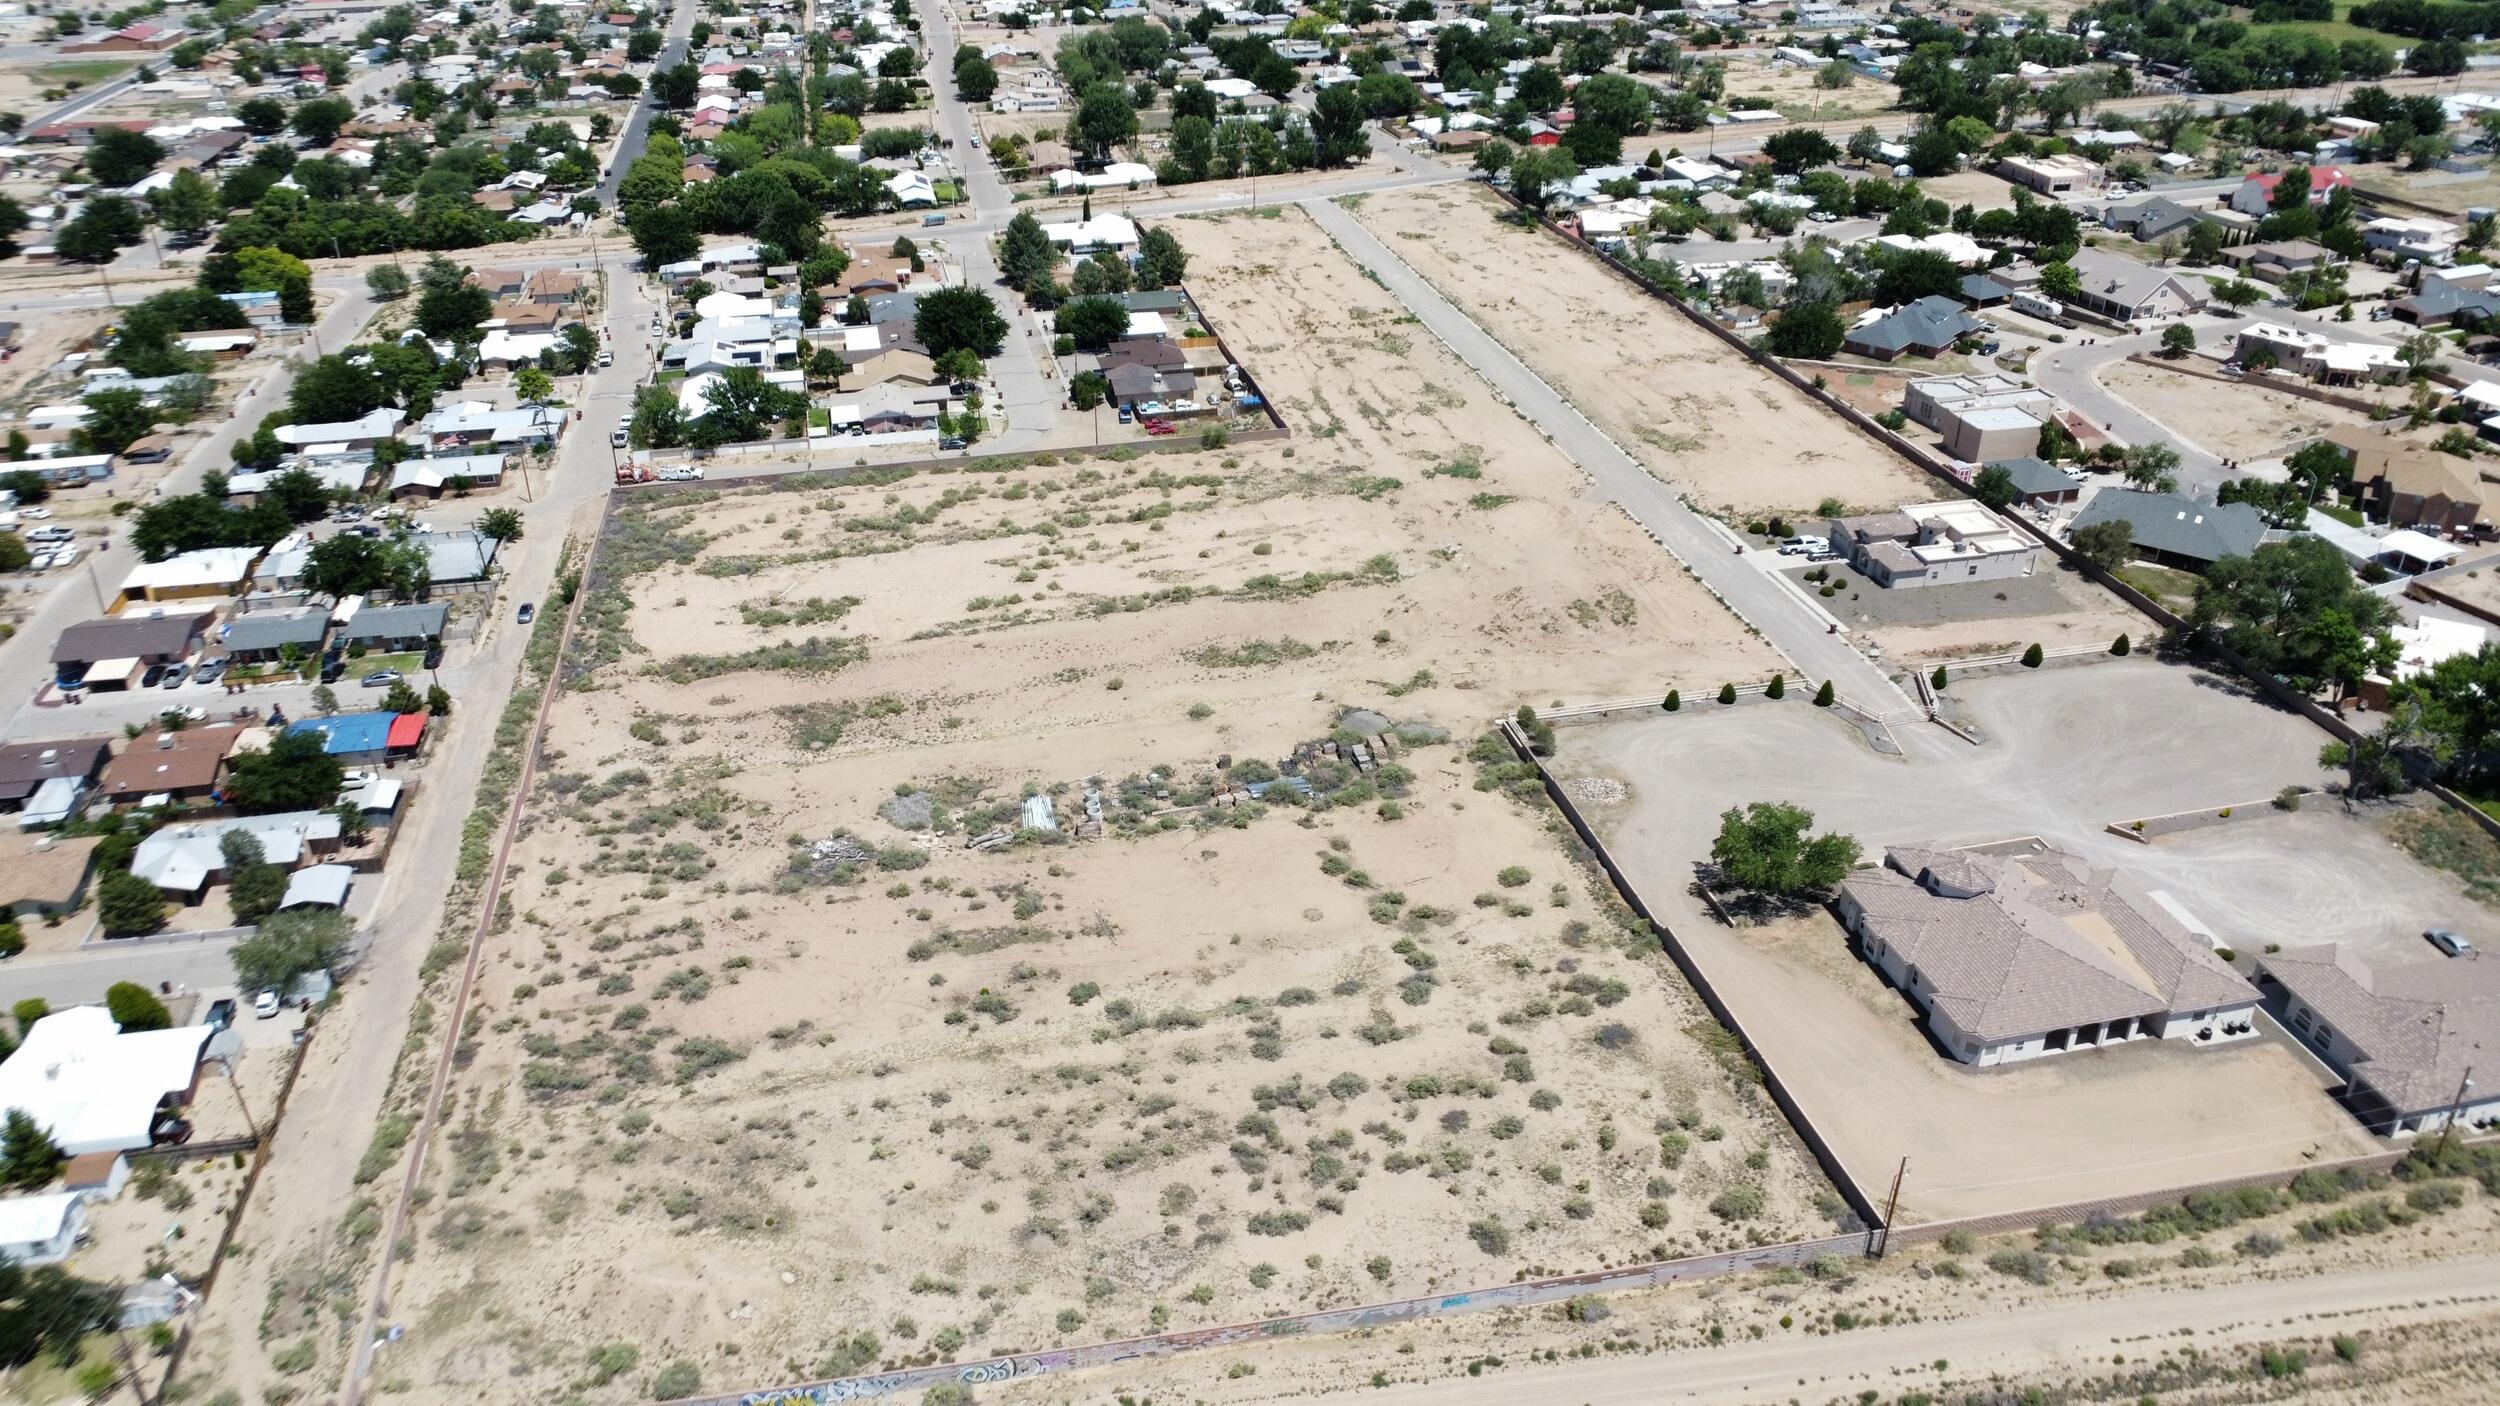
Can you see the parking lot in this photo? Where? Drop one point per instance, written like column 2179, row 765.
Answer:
column 2070, row 751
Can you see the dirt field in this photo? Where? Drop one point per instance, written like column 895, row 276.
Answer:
column 1668, row 391
column 1920, row 627
column 1752, row 83
column 2260, row 423
column 1219, row 1063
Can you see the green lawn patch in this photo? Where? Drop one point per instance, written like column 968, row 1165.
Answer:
column 2349, row 517
column 2176, row 589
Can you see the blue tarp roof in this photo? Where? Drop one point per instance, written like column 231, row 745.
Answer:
column 349, row 732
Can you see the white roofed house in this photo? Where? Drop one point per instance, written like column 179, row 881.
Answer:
column 2424, row 240
column 1119, row 175
column 361, row 433
column 1081, row 237
column 475, row 423
column 2018, row 955
column 94, row 1088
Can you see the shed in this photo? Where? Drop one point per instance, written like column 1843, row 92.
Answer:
column 319, row 886
column 41, row 1230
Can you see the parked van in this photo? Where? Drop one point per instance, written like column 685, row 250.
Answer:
column 931, row 221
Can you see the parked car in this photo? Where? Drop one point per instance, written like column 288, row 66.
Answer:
column 380, row 678
column 932, row 221
column 154, row 676
column 220, row 1013
column 433, row 656
column 2450, row 943
column 529, row 612
column 962, row 388
column 34, row 514
column 1158, row 427
column 192, row 714
column 50, row 534
column 616, row 437
column 1127, row 414
column 210, row 670
column 953, row 442
column 266, row 1005
column 175, row 674
column 606, row 357
column 332, row 670
column 40, row 561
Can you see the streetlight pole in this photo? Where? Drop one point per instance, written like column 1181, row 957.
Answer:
column 2455, row 1107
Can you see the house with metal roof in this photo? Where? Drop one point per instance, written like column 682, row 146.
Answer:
column 2037, row 480
column 26, row 766
column 2406, row 1038
column 394, row 627
column 2019, row 952
column 2126, row 291
column 94, row 1087
column 112, row 651
column 266, row 634
column 2174, row 531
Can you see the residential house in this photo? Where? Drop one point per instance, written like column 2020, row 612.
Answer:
column 44, row 874
column 362, row 433
column 1934, row 544
column 360, row 738
column 27, row 767
column 160, row 766
column 1116, row 233
column 2316, row 355
column 2038, row 482
column 2031, row 952
column 210, row 571
column 1927, row 327
column 2405, row 1036
column 1930, row 400
column 393, row 628
column 2461, row 295
column 888, row 407
column 2151, row 221
column 114, row 651
column 2273, row 260
column 2170, row 530
column 139, row 38
column 184, row 858
column 500, row 283
column 2256, row 193
column 2406, row 483
column 2126, row 291
column 2420, row 240
column 94, row 1087
column 456, row 558
column 429, row 478
column 556, row 287
column 266, row 635
column 2063, row 174
column 1117, row 175
column 469, row 424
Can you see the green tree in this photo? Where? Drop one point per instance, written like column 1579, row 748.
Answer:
column 1536, row 172
column 451, row 308
column 1094, row 322
column 535, row 387
column 1160, row 261
column 500, row 524
column 2459, row 698
column 2106, row 545
column 387, row 282
column 975, row 79
column 1104, row 119
column 2238, row 293
column 402, row 699
column 1995, row 487
column 1809, row 330
column 188, row 205
column 2294, row 609
column 1337, row 119
column 2177, row 340
column 828, row 367
column 116, row 418
column 105, row 227
column 318, row 122
column 2151, row 466
column 293, row 773
column 2059, row 280
column 288, row 945
column 118, row 157
column 29, row 1158
column 128, row 905
column 1763, row 849
column 1088, row 389
column 135, row 1008
column 666, row 234
column 1025, row 253
column 1799, row 150
column 958, row 317
column 348, row 565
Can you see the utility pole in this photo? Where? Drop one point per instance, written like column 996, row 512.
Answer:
column 249, row 1121
column 1882, row 1238
column 2455, row 1107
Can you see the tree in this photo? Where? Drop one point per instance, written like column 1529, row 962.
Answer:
column 827, row 366
column 119, row 157
column 318, row 122
column 535, row 387
column 2177, row 340
column 262, row 117
column 1811, row 330
column 1104, row 118
column 451, row 308
column 1763, row 849
column 115, row 418
column 1535, row 172
column 959, row 317
column 2421, row 352
column 334, row 388
column 128, row 905
column 135, row 1008
column 1494, row 157
column 292, row 773
column 500, row 524
column 1337, row 119
column 1094, row 322
column 1088, row 389
column 1994, row 487
column 2238, row 293
column 108, row 225
column 402, row 699
column 2059, row 280
column 437, row 704
column 1160, row 261
column 1025, row 253
column 975, row 79
column 387, row 282
column 2459, row 698
column 1798, row 150
column 29, row 1158
column 665, row 234
column 2106, row 545
column 288, row 945
column 188, row 205
column 2151, row 466
column 2293, row 609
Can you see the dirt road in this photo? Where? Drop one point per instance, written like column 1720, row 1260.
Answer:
column 2027, row 1341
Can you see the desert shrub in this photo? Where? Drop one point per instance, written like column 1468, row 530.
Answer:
column 1741, row 1202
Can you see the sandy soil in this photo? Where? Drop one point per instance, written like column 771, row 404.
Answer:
column 2082, row 614
column 1668, row 391
column 2257, row 423
column 1044, row 1094
column 2481, row 586
column 1754, row 82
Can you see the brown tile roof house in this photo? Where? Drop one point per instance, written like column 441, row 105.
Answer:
column 45, row 873
column 2404, row 1036
column 27, row 765
column 183, row 764
column 515, row 315
column 2406, row 483
column 500, row 283
column 554, row 286
column 150, row 639
column 2016, row 955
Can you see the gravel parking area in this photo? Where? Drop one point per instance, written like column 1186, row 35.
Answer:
column 2070, row 752
column 1861, row 602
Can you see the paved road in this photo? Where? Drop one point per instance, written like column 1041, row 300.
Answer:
column 2229, row 1317
column 637, row 132
column 1791, row 626
column 79, row 978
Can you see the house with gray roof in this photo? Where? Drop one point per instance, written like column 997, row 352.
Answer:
column 265, row 634
column 1923, row 328
column 2126, row 291
column 2405, row 1038
column 391, row 628
column 2018, row 952
column 2037, row 480
column 2174, row 531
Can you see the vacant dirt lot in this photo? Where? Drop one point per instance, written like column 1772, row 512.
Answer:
column 2244, row 421
column 776, row 1106
column 2051, row 608
column 1693, row 411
